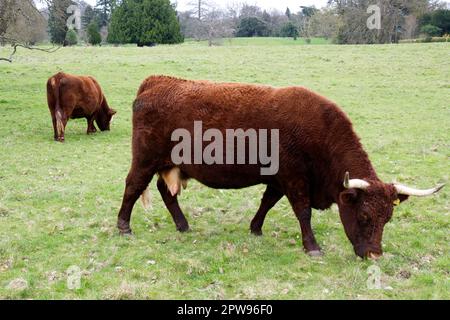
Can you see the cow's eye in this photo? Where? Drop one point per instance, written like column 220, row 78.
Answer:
column 364, row 216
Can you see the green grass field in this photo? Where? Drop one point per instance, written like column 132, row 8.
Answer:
column 59, row 202
column 260, row 41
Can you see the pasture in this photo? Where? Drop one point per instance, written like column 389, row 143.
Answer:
column 59, row 202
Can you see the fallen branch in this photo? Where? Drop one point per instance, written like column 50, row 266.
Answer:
column 15, row 44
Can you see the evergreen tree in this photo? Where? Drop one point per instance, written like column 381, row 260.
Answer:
column 266, row 17
column 308, row 11
column 289, row 30
column 88, row 16
column 439, row 19
column 252, row 27
column 144, row 22
column 288, row 13
column 71, row 38
column 430, row 30
column 57, row 21
column 104, row 9
column 93, row 34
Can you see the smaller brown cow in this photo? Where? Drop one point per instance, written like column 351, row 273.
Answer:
column 75, row 97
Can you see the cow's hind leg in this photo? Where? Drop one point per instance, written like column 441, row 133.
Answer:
column 271, row 196
column 172, row 205
column 61, row 122
column 55, row 129
column 137, row 181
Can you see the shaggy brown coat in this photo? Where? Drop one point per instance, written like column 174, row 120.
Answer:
column 317, row 147
column 71, row 97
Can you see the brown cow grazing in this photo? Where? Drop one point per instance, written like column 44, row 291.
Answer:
column 317, row 149
column 74, row 97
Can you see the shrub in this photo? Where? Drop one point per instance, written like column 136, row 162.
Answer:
column 440, row 39
column 71, row 38
column 438, row 18
column 427, row 40
column 289, row 30
column 252, row 27
column 93, row 35
column 431, row 30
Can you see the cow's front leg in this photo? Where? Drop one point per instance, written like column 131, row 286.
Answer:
column 172, row 205
column 90, row 125
column 271, row 196
column 137, row 181
column 301, row 206
column 308, row 239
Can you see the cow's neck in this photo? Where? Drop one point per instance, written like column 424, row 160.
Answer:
column 347, row 154
column 104, row 107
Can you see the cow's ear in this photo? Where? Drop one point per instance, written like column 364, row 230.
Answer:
column 112, row 112
column 349, row 196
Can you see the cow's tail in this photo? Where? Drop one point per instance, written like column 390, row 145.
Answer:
column 146, row 198
column 58, row 110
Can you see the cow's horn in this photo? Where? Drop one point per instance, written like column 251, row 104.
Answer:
column 354, row 183
column 401, row 189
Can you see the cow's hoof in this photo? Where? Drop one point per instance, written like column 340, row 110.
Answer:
column 315, row 253
column 184, row 228
column 126, row 232
column 257, row 233
column 124, row 227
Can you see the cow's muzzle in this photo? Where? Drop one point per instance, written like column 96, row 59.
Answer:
column 368, row 251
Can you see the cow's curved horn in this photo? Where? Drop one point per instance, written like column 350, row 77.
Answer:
column 355, row 183
column 401, row 189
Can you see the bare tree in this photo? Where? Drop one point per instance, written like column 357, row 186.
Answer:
column 324, row 23
column 205, row 21
column 200, row 8
column 248, row 11
column 217, row 26
column 398, row 19
column 19, row 20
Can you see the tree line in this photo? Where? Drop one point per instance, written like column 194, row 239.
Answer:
column 343, row 21
column 143, row 22
column 149, row 22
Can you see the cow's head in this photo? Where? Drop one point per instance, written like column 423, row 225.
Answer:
column 104, row 118
column 366, row 206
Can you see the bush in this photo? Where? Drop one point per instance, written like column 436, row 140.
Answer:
column 289, row 30
column 438, row 18
column 440, row 39
column 71, row 38
column 431, row 30
column 252, row 27
column 427, row 40
column 93, row 35
column 144, row 22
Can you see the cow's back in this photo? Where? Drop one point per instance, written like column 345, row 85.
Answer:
column 79, row 95
column 310, row 126
column 170, row 103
